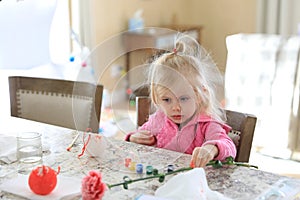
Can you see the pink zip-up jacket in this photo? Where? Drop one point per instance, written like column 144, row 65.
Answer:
column 200, row 130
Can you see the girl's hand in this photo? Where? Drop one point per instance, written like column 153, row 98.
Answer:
column 202, row 155
column 143, row 137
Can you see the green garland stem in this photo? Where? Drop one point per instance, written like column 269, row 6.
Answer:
column 213, row 163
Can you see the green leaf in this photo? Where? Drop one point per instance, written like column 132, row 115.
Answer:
column 217, row 164
column 161, row 178
column 229, row 160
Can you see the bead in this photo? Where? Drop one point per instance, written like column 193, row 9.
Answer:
column 132, row 103
column 155, row 171
column 129, row 91
column 72, row 59
column 100, row 130
column 139, row 168
column 83, row 64
column 149, row 170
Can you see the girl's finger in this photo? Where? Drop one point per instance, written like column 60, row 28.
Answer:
column 195, row 156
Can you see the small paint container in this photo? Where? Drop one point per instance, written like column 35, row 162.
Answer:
column 139, row 168
column 170, row 168
column 132, row 165
column 127, row 162
column 149, row 170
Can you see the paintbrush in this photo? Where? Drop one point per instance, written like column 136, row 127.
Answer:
column 73, row 142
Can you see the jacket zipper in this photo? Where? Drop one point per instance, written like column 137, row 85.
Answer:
column 178, row 135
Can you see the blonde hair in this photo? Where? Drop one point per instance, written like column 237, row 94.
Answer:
column 190, row 63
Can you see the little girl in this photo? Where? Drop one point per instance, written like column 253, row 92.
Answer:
column 188, row 118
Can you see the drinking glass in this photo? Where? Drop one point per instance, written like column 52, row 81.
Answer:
column 29, row 149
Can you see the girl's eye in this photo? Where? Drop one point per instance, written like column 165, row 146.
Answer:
column 167, row 100
column 184, row 99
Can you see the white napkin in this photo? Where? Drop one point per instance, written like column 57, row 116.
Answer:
column 8, row 148
column 66, row 187
column 190, row 185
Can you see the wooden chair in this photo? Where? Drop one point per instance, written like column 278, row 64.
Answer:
column 74, row 105
column 243, row 126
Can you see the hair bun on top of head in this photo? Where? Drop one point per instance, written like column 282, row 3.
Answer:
column 187, row 45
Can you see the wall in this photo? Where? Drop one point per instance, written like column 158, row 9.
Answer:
column 219, row 19
column 111, row 17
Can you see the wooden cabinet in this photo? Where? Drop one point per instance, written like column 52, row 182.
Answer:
column 194, row 31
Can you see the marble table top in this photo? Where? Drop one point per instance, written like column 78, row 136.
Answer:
column 234, row 182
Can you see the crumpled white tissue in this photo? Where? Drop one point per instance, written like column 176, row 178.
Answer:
column 96, row 145
column 190, row 185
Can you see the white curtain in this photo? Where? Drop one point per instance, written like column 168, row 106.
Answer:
column 278, row 17
column 86, row 31
column 277, row 21
column 294, row 129
column 260, row 78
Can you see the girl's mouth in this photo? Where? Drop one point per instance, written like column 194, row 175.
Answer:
column 177, row 117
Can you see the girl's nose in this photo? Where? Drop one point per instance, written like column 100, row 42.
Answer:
column 176, row 106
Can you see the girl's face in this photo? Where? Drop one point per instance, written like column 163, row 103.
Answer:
column 179, row 105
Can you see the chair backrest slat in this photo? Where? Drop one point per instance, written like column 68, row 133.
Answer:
column 70, row 104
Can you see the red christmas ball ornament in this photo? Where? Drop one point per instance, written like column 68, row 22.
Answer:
column 43, row 179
